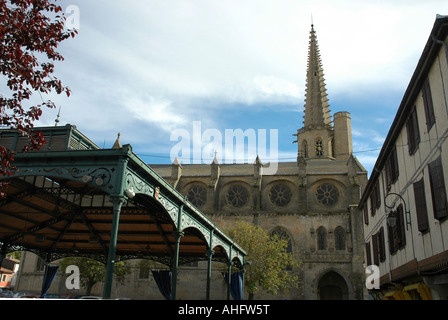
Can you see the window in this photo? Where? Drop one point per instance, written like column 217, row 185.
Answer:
column 339, row 237
column 319, row 148
column 401, row 225
column 368, row 254
column 197, row 195
column 237, row 196
column 412, row 131
column 40, row 264
column 321, row 238
column 420, row 205
column 305, row 149
column 375, row 198
column 381, row 245
column 392, row 170
column 280, row 195
column 376, row 260
column 438, row 192
column 327, row 194
column 144, row 269
column 427, row 102
column 283, row 235
column 365, row 210
column 397, row 234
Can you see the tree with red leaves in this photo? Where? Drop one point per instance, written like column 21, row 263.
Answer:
column 28, row 29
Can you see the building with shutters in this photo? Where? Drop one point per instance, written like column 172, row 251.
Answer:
column 405, row 202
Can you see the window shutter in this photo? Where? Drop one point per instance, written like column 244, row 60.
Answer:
column 401, row 232
column 388, row 170
column 368, row 254
column 395, row 167
column 381, row 244
column 391, row 237
column 366, row 213
column 415, row 125
column 438, row 189
column 412, row 131
column 427, row 102
column 378, row 195
column 375, row 249
column 420, row 204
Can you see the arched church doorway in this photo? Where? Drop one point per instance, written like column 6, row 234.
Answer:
column 332, row 286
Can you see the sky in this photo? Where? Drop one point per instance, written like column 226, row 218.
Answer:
column 168, row 74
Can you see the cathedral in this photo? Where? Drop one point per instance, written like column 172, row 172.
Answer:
column 312, row 203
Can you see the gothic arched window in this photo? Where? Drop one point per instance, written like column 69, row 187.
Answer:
column 319, row 148
column 283, row 235
column 321, row 238
column 339, row 238
column 305, row 149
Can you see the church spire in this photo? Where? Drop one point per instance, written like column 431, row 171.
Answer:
column 317, row 112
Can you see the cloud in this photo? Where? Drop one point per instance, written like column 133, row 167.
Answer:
column 273, row 86
column 145, row 68
column 159, row 113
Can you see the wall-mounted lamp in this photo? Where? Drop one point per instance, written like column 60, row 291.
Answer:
column 392, row 219
column 392, row 216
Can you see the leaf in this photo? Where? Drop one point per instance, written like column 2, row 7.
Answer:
column 28, row 29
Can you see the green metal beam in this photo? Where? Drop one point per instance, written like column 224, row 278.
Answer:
column 177, row 236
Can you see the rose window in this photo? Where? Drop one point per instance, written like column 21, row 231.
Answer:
column 280, row 195
column 327, row 194
column 197, row 195
column 237, row 196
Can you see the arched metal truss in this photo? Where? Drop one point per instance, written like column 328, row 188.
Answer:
column 105, row 204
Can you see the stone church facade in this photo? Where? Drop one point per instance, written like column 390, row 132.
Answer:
column 311, row 202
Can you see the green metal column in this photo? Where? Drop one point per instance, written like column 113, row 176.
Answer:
column 117, row 198
column 117, row 202
column 229, row 279
column 177, row 236
column 209, row 253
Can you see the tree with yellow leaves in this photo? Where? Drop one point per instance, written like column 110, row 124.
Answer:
column 271, row 267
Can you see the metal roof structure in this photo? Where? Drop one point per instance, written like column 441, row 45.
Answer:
column 72, row 198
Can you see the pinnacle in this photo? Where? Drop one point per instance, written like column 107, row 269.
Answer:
column 317, row 112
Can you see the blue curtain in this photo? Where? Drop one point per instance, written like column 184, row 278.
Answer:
column 49, row 275
column 163, row 280
column 236, row 285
